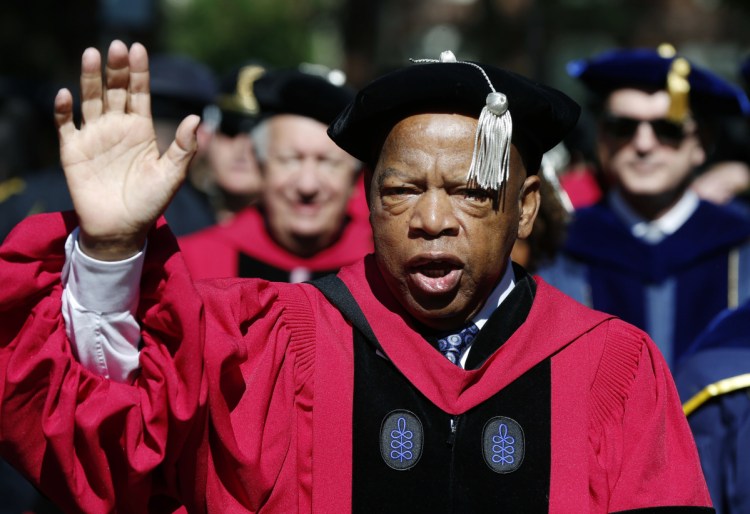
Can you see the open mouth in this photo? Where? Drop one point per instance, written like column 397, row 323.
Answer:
column 435, row 276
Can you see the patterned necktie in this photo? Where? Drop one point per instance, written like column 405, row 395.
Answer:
column 452, row 346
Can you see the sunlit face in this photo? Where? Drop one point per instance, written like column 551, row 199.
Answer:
column 308, row 182
column 233, row 164
column 647, row 164
column 441, row 246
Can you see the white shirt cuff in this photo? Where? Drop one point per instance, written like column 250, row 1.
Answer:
column 99, row 304
column 103, row 286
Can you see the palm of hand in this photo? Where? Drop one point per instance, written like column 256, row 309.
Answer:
column 113, row 172
column 117, row 180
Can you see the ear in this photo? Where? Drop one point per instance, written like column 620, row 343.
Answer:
column 528, row 205
column 697, row 153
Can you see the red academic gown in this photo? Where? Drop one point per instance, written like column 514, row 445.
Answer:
column 243, row 248
column 245, row 395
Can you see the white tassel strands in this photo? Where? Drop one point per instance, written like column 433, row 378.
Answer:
column 490, row 164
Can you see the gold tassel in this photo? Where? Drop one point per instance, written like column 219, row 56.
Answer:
column 243, row 99
column 678, row 88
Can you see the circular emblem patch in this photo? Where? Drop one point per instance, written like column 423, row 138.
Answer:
column 503, row 444
column 401, row 438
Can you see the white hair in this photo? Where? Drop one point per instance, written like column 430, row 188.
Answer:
column 261, row 136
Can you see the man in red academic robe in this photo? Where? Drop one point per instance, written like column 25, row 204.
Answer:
column 432, row 376
column 302, row 228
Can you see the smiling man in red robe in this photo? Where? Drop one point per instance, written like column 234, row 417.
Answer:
column 432, row 376
column 302, row 228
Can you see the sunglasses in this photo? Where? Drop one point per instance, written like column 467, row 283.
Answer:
column 667, row 132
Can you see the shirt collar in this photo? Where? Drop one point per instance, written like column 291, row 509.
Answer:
column 501, row 291
column 654, row 231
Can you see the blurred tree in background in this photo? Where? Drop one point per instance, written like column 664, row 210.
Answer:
column 44, row 38
column 223, row 33
column 41, row 41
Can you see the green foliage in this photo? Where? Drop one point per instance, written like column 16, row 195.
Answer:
column 223, row 33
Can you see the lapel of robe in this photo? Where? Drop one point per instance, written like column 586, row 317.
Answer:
column 451, row 388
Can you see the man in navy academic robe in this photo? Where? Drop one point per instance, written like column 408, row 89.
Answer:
column 651, row 252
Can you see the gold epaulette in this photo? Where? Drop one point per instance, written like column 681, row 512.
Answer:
column 10, row 187
column 727, row 385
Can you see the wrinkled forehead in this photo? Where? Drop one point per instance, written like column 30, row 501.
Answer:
column 434, row 130
column 447, row 137
column 426, row 143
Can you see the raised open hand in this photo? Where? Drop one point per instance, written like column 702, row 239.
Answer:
column 117, row 180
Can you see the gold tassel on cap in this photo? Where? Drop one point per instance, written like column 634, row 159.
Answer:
column 490, row 163
column 678, row 88
column 678, row 85
column 243, row 98
column 666, row 50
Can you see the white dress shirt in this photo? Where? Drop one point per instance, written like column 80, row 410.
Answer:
column 99, row 302
column 655, row 231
